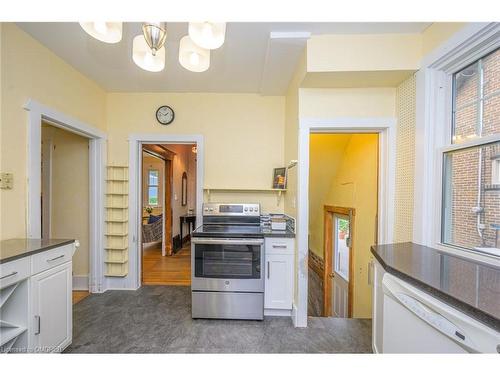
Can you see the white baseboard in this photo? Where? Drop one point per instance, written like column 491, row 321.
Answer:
column 277, row 312
column 80, row 282
column 118, row 283
column 295, row 318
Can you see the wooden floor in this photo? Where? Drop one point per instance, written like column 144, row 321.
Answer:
column 167, row 270
column 78, row 295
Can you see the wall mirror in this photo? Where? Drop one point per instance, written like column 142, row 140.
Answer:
column 184, row 189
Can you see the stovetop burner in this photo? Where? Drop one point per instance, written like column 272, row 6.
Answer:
column 230, row 220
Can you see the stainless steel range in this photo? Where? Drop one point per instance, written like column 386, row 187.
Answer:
column 227, row 263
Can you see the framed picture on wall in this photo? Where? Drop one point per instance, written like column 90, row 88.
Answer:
column 279, row 178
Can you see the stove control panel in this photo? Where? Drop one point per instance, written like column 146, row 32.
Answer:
column 231, row 209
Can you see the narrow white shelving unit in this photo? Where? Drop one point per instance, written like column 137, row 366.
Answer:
column 14, row 317
column 117, row 221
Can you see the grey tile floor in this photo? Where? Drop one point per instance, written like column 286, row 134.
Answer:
column 157, row 319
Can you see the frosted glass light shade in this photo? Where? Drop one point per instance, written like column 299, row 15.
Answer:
column 208, row 35
column 192, row 57
column 107, row 32
column 144, row 58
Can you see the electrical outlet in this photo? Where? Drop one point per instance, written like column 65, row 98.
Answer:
column 6, row 180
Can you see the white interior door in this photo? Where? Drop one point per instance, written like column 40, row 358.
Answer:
column 340, row 265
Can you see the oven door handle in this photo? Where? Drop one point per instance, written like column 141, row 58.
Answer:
column 221, row 241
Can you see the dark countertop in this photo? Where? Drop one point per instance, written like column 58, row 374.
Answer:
column 23, row 247
column 471, row 287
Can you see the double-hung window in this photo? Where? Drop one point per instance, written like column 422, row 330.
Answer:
column 470, row 209
column 153, row 185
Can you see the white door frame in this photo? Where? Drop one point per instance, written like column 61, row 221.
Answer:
column 97, row 164
column 386, row 128
column 133, row 279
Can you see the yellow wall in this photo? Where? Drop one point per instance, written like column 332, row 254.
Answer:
column 29, row 70
column 437, row 33
column 326, row 153
column 363, row 52
column 355, row 186
column 70, row 192
column 356, row 102
column 243, row 135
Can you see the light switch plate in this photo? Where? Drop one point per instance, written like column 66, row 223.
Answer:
column 6, row 180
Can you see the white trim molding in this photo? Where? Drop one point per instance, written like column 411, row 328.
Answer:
column 80, row 282
column 97, row 162
column 133, row 279
column 386, row 128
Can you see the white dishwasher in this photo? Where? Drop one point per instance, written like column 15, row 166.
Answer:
column 416, row 322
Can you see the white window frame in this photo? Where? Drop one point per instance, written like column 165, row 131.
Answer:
column 433, row 130
column 156, row 186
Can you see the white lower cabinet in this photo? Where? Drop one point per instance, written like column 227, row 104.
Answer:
column 36, row 302
column 52, row 309
column 278, row 293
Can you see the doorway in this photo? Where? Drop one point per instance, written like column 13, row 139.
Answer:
column 168, row 190
column 338, row 254
column 343, row 189
column 64, row 201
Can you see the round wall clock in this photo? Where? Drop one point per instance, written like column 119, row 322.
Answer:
column 165, row 115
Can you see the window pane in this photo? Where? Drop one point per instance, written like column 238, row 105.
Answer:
column 491, row 115
column 341, row 249
column 471, row 204
column 466, row 86
column 153, row 195
column 153, row 177
column 476, row 93
column 491, row 73
column 466, row 123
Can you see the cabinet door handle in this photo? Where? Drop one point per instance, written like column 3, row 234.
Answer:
column 268, row 269
column 37, row 322
column 276, row 246
column 56, row 258
column 9, row 275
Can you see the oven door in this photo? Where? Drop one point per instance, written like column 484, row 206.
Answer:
column 227, row 265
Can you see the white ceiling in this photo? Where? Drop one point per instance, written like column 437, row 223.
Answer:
column 249, row 61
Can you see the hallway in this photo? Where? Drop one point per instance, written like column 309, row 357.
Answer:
column 168, row 270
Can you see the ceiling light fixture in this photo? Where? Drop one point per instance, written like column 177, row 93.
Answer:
column 107, row 32
column 208, row 35
column 155, row 34
column 193, row 57
column 144, row 57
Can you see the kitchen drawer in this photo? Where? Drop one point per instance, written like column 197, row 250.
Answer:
column 51, row 258
column 14, row 271
column 279, row 245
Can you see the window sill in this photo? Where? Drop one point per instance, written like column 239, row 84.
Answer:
column 484, row 258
